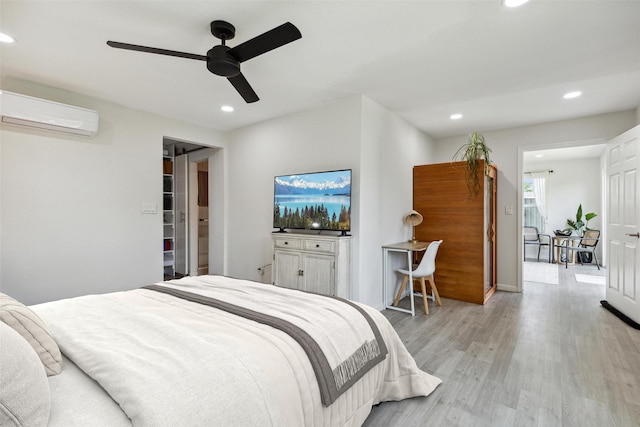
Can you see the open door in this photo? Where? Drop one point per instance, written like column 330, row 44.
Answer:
column 181, row 165
column 623, row 220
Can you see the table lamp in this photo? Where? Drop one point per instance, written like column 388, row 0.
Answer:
column 412, row 219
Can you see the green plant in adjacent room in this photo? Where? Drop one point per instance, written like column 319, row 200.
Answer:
column 472, row 152
column 580, row 225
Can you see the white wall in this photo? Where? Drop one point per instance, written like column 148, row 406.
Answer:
column 354, row 133
column 506, row 145
column 70, row 206
column 390, row 149
column 327, row 138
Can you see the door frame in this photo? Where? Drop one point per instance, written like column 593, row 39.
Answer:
column 216, row 157
column 520, row 208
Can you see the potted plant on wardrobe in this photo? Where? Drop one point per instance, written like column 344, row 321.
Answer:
column 473, row 152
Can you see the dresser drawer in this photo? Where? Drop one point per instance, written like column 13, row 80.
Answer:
column 287, row 243
column 319, row 245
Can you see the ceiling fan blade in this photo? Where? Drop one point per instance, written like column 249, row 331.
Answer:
column 147, row 49
column 279, row 36
column 244, row 88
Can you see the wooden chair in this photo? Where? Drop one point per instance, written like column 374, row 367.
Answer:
column 425, row 270
column 588, row 244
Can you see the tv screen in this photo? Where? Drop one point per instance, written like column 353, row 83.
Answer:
column 313, row 201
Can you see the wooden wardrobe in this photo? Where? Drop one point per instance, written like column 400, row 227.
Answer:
column 466, row 222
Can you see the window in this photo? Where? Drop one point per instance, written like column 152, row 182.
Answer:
column 532, row 215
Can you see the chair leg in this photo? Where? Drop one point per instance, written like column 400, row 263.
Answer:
column 596, row 258
column 539, row 247
column 434, row 290
column 423, row 287
column 400, row 291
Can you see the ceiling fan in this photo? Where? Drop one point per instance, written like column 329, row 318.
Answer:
column 225, row 61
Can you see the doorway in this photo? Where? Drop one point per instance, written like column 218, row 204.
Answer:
column 572, row 176
column 186, row 209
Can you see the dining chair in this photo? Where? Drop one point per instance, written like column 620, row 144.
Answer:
column 425, row 269
column 531, row 236
column 587, row 245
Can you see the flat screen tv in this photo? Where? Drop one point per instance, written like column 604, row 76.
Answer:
column 313, row 201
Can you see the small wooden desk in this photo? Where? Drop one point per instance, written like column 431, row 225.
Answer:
column 404, row 247
column 559, row 242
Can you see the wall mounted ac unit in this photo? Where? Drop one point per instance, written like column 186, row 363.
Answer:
column 38, row 113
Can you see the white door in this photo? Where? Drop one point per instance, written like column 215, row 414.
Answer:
column 181, row 164
column 623, row 240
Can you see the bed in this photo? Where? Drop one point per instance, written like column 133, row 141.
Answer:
column 205, row 350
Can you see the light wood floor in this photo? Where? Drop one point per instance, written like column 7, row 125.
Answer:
column 551, row 356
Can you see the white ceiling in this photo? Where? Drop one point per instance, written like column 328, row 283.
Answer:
column 531, row 159
column 424, row 60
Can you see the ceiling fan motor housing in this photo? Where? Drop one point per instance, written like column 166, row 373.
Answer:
column 221, row 63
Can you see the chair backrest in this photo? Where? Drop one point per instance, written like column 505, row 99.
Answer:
column 590, row 238
column 530, row 233
column 428, row 264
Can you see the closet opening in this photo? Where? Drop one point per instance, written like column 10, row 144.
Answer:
column 186, row 196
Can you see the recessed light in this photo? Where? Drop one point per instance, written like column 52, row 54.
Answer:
column 539, row 155
column 227, row 108
column 513, row 3
column 571, row 95
column 456, row 116
column 6, row 38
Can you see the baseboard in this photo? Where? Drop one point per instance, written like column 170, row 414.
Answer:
column 507, row 288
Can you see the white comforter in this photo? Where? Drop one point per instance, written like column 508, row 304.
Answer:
column 170, row 362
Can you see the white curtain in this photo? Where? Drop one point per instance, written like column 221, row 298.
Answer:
column 539, row 193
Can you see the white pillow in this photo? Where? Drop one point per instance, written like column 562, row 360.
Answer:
column 25, row 399
column 24, row 321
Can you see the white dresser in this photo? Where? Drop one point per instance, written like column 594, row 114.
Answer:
column 316, row 263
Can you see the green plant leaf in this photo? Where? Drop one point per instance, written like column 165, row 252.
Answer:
column 471, row 152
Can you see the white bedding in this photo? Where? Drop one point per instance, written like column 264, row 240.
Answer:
column 78, row 401
column 171, row 362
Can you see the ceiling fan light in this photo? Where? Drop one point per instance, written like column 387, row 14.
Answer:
column 571, row 95
column 513, row 3
column 227, row 108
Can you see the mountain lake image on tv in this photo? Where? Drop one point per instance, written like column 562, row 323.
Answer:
column 313, row 201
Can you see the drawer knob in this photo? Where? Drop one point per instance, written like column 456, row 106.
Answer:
column 286, row 243
column 317, row 246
